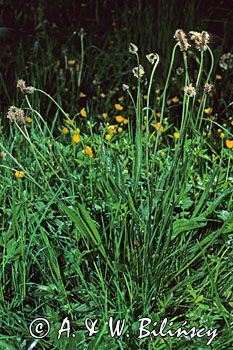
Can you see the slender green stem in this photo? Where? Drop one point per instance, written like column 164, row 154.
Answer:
column 164, row 96
column 82, row 59
column 147, row 121
column 52, row 99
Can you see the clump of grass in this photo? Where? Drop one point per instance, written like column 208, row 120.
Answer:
column 138, row 223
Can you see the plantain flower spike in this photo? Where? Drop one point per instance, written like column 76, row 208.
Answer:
column 133, row 48
column 182, row 40
column 190, row 90
column 152, row 57
column 23, row 88
column 138, row 72
column 201, row 40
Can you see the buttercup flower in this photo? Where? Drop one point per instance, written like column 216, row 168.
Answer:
column 28, row 120
column 222, row 135
column 229, row 143
column 119, row 119
column 19, row 174
column 138, row 72
column 181, row 38
column 77, row 131
column 133, row 48
column 83, row 112
column 176, row 135
column 208, row 110
column 65, row 130
column 108, row 137
column 112, row 129
column 118, row 107
column 87, row 150
column 158, row 126
column 175, row 99
column 76, row 138
column 152, row 57
column 190, row 90
column 201, row 40
column 71, row 62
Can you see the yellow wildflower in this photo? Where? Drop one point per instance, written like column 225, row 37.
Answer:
column 19, row 174
column 157, row 91
column 162, row 153
column 76, row 138
column 158, row 114
column 87, row 150
column 232, row 122
column 65, row 130
column 222, row 135
column 112, row 129
column 108, row 137
column 176, row 135
column 83, row 112
column 119, row 119
column 121, row 98
column 175, row 99
column 71, row 62
column 229, row 143
column 118, row 107
column 77, row 131
column 158, row 98
column 169, row 102
column 158, row 126
column 208, row 110
column 145, row 97
column 104, row 115
column 219, row 130
column 125, row 121
column 28, row 120
column 120, row 129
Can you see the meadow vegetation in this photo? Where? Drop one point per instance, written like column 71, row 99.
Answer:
column 116, row 197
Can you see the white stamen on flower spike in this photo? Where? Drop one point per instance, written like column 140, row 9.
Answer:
column 201, row 40
column 190, row 90
column 181, row 38
column 25, row 89
column 138, row 72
